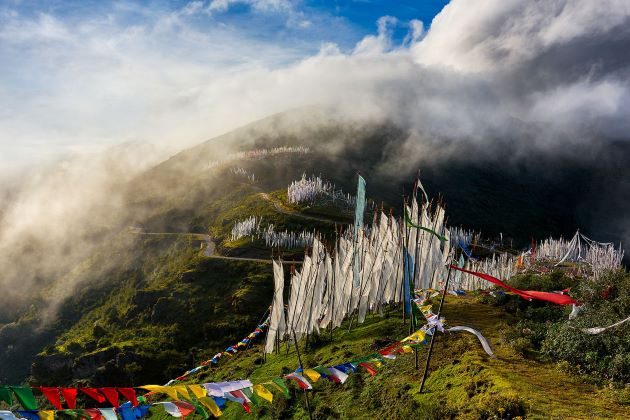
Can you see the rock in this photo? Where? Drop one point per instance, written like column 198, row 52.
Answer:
column 53, row 368
column 188, row 276
column 87, row 366
column 145, row 298
column 166, row 309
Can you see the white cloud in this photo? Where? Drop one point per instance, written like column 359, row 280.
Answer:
column 482, row 70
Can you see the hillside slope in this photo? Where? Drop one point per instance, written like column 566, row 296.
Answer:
column 463, row 382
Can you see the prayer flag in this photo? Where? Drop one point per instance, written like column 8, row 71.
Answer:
column 358, row 226
column 197, row 390
column 7, row 415
column 129, row 394
column 94, row 394
column 94, row 413
column 263, row 392
column 70, row 396
column 5, row 395
column 112, row 396
column 211, row 405
column 556, row 298
column 300, row 380
column 25, row 396
column 369, row 367
column 29, row 414
column 411, row 224
column 337, row 375
column 108, row 413
column 141, row 411
column 53, row 395
column 126, row 413
column 312, row 374
column 181, row 390
column 279, row 383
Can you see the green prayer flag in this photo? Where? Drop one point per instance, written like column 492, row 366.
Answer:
column 250, row 394
column 25, row 396
column 5, row 395
column 322, row 370
column 280, row 384
column 199, row 410
column 410, row 223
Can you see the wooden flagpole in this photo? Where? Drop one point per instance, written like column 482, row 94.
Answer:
column 297, row 349
column 426, row 366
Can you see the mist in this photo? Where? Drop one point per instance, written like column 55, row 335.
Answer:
column 90, row 100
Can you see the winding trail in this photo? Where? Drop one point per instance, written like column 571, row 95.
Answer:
column 209, row 250
column 281, row 208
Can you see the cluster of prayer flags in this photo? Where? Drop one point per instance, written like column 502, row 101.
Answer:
column 202, row 399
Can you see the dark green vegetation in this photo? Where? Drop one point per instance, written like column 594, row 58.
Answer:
column 544, row 332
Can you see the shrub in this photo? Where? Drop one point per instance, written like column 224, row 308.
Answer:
column 606, row 355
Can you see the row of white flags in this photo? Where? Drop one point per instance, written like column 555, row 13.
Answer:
column 322, row 291
column 307, row 190
column 252, row 227
column 599, row 256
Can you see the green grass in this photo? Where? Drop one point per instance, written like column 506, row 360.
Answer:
column 463, row 381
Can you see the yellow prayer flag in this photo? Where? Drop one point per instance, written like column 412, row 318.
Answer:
column 417, row 336
column 209, row 403
column 407, row 349
column 181, row 390
column 46, row 415
column 152, row 388
column 263, row 392
column 313, row 375
column 168, row 390
column 198, row 390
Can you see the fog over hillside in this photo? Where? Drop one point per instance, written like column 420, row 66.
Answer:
column 536, row 90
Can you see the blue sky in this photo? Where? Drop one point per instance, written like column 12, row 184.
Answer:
column 304, row 24
column 69, row 66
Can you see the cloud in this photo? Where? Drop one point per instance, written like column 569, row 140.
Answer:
column 258, row 5
column 538, row 75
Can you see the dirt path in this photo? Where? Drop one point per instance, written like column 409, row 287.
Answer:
column 209, row 250
column 281, row 208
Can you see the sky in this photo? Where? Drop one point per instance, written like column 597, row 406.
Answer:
column 78, row 76
column 92, row 92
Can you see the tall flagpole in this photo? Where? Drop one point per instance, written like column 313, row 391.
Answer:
column 297, row 349
column 426, row 366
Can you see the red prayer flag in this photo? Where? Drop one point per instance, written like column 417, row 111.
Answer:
column 70, row 395
column 53, row 396
column 390, row 349
column 369, row 367
column 556, row 298
column 112, row 396
column 184, row 407
column 240, row 395
column 94, row 394
column 94, row 413
column 130, row 394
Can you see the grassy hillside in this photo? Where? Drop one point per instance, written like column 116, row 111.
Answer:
column 463, row 382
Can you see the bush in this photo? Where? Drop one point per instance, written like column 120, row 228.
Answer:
column 605, row 355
